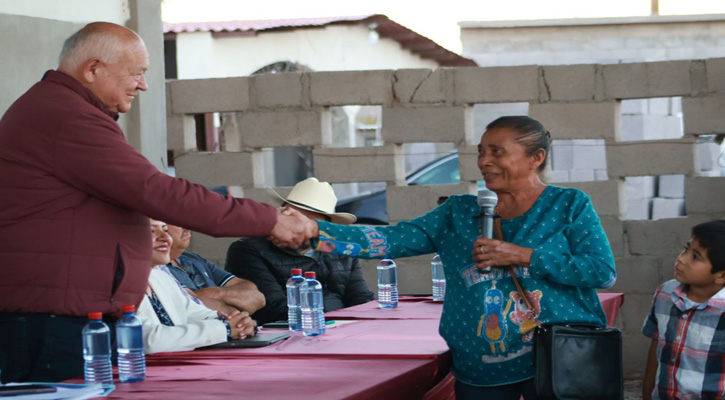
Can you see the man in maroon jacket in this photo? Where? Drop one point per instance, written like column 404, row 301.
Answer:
column 74, row 202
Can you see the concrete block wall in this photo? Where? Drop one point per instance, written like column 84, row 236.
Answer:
column 581, row 105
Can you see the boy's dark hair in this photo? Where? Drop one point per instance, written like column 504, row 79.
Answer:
column 711, row 236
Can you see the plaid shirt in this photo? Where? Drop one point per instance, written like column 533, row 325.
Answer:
column 691, row 344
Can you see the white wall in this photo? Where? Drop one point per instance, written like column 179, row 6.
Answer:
column 331, row 48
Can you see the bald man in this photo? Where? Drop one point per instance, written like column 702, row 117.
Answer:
column 74, row 201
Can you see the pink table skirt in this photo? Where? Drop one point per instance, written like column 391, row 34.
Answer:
column 287, row 378
column 425, row 308
column 369, row 338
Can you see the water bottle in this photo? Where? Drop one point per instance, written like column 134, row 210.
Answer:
column 294, row 316
column 313, row 310
column 387, row 284
column 439, row 279
column 129, row 337
column 97, row 351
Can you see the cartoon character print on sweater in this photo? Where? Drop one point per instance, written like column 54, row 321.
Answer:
column 329, row 244
column 522, row 316
column 493, row 325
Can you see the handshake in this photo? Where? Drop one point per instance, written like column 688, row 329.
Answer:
column 292, row 228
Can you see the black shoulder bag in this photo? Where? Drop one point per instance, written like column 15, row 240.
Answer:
column 575, row 361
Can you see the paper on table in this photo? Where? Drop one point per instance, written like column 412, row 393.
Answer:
column 66, row 391
column 336, row 323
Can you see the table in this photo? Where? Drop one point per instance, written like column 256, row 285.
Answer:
column 384, row 353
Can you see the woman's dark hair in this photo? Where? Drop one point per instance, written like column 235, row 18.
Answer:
column 711, row 236
column 530, row 133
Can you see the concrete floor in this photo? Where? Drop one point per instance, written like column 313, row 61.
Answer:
column 632, row 390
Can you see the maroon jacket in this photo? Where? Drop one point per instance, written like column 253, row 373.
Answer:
column 74, row 201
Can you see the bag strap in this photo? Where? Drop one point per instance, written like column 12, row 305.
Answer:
column 498, row 232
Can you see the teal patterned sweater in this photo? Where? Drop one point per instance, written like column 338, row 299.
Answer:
column 484, row 322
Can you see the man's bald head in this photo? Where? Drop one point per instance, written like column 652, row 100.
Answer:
column 103, row 40
column 109, row 60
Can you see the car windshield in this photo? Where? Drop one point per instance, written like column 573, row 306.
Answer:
column 446, row 172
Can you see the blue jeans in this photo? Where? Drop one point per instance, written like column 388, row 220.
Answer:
column 514, row 391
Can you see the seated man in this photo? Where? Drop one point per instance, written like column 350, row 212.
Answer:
column 269, row 266
column 216, row 288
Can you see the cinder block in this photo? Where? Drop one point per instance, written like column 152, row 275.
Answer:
column 258, row 194
column 562, row 154
column 657, row 237
column 578, row 120
column 638, row 275
column 671, row 186
column 468, row 163
column 667, row 208
column 698, row 77
column 638, row 209
column 221, row 169
column 180, row 133
column 496, row 84
column 705, row 195
column 634, row 107
column 614, row 228
column 639, row 187
column 707, row 156
column 601, row 175
column 558, row 176
column 408, row 202
column 423, row 85
column 361, row 164
column 484, row 114
column 196, row 96
column 588, row 154
column 285, row 128
column 277, row 90
column 655, row 157
column 428, row 124
column 646, row 80
column 635, row 347
column 703, row 115
column 650, row 127
column 568, row 82
column 213, row 249
column 605, row 196
column 715, row 75
column 338, row 88
column 581, row 175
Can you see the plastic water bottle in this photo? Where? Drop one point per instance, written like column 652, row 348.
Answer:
column 387, row 284
column 313, row 310
column 129, row 336
column 97, row 351
column 294, row 314
column 439, row 278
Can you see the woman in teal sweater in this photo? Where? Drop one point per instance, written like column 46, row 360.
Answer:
column 553, row 240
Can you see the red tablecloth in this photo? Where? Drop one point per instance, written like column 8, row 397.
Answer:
column 611, row 302
column 370, row 338
column 287, row 378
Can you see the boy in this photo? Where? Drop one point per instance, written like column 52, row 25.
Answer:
column 687, row 323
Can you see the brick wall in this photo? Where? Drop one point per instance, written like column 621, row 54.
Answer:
column 575, row 102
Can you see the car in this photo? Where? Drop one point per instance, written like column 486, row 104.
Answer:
column 372, row 208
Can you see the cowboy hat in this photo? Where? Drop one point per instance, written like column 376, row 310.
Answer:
column 313, row 195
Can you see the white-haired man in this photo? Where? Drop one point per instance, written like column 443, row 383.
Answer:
column 74, row 201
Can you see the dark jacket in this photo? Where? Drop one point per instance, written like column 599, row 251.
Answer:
column 74, row 202
column 269, row 266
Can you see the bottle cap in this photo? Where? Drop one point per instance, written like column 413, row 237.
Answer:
column 128, row 308
column 309, row 274
column 95, row 315
column 296, row 271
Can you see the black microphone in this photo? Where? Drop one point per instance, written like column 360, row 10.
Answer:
column 487, row 201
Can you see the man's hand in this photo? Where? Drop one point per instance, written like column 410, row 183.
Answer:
column 242, row 325
column 292, row 228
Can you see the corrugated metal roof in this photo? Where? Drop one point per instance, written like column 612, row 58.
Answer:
column 386, row 28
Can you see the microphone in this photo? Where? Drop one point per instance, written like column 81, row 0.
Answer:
column 487, row 201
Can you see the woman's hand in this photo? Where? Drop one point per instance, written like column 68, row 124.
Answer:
column 242, row 325
column 497, row 253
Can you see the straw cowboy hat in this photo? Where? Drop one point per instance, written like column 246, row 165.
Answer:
column 313, row 195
